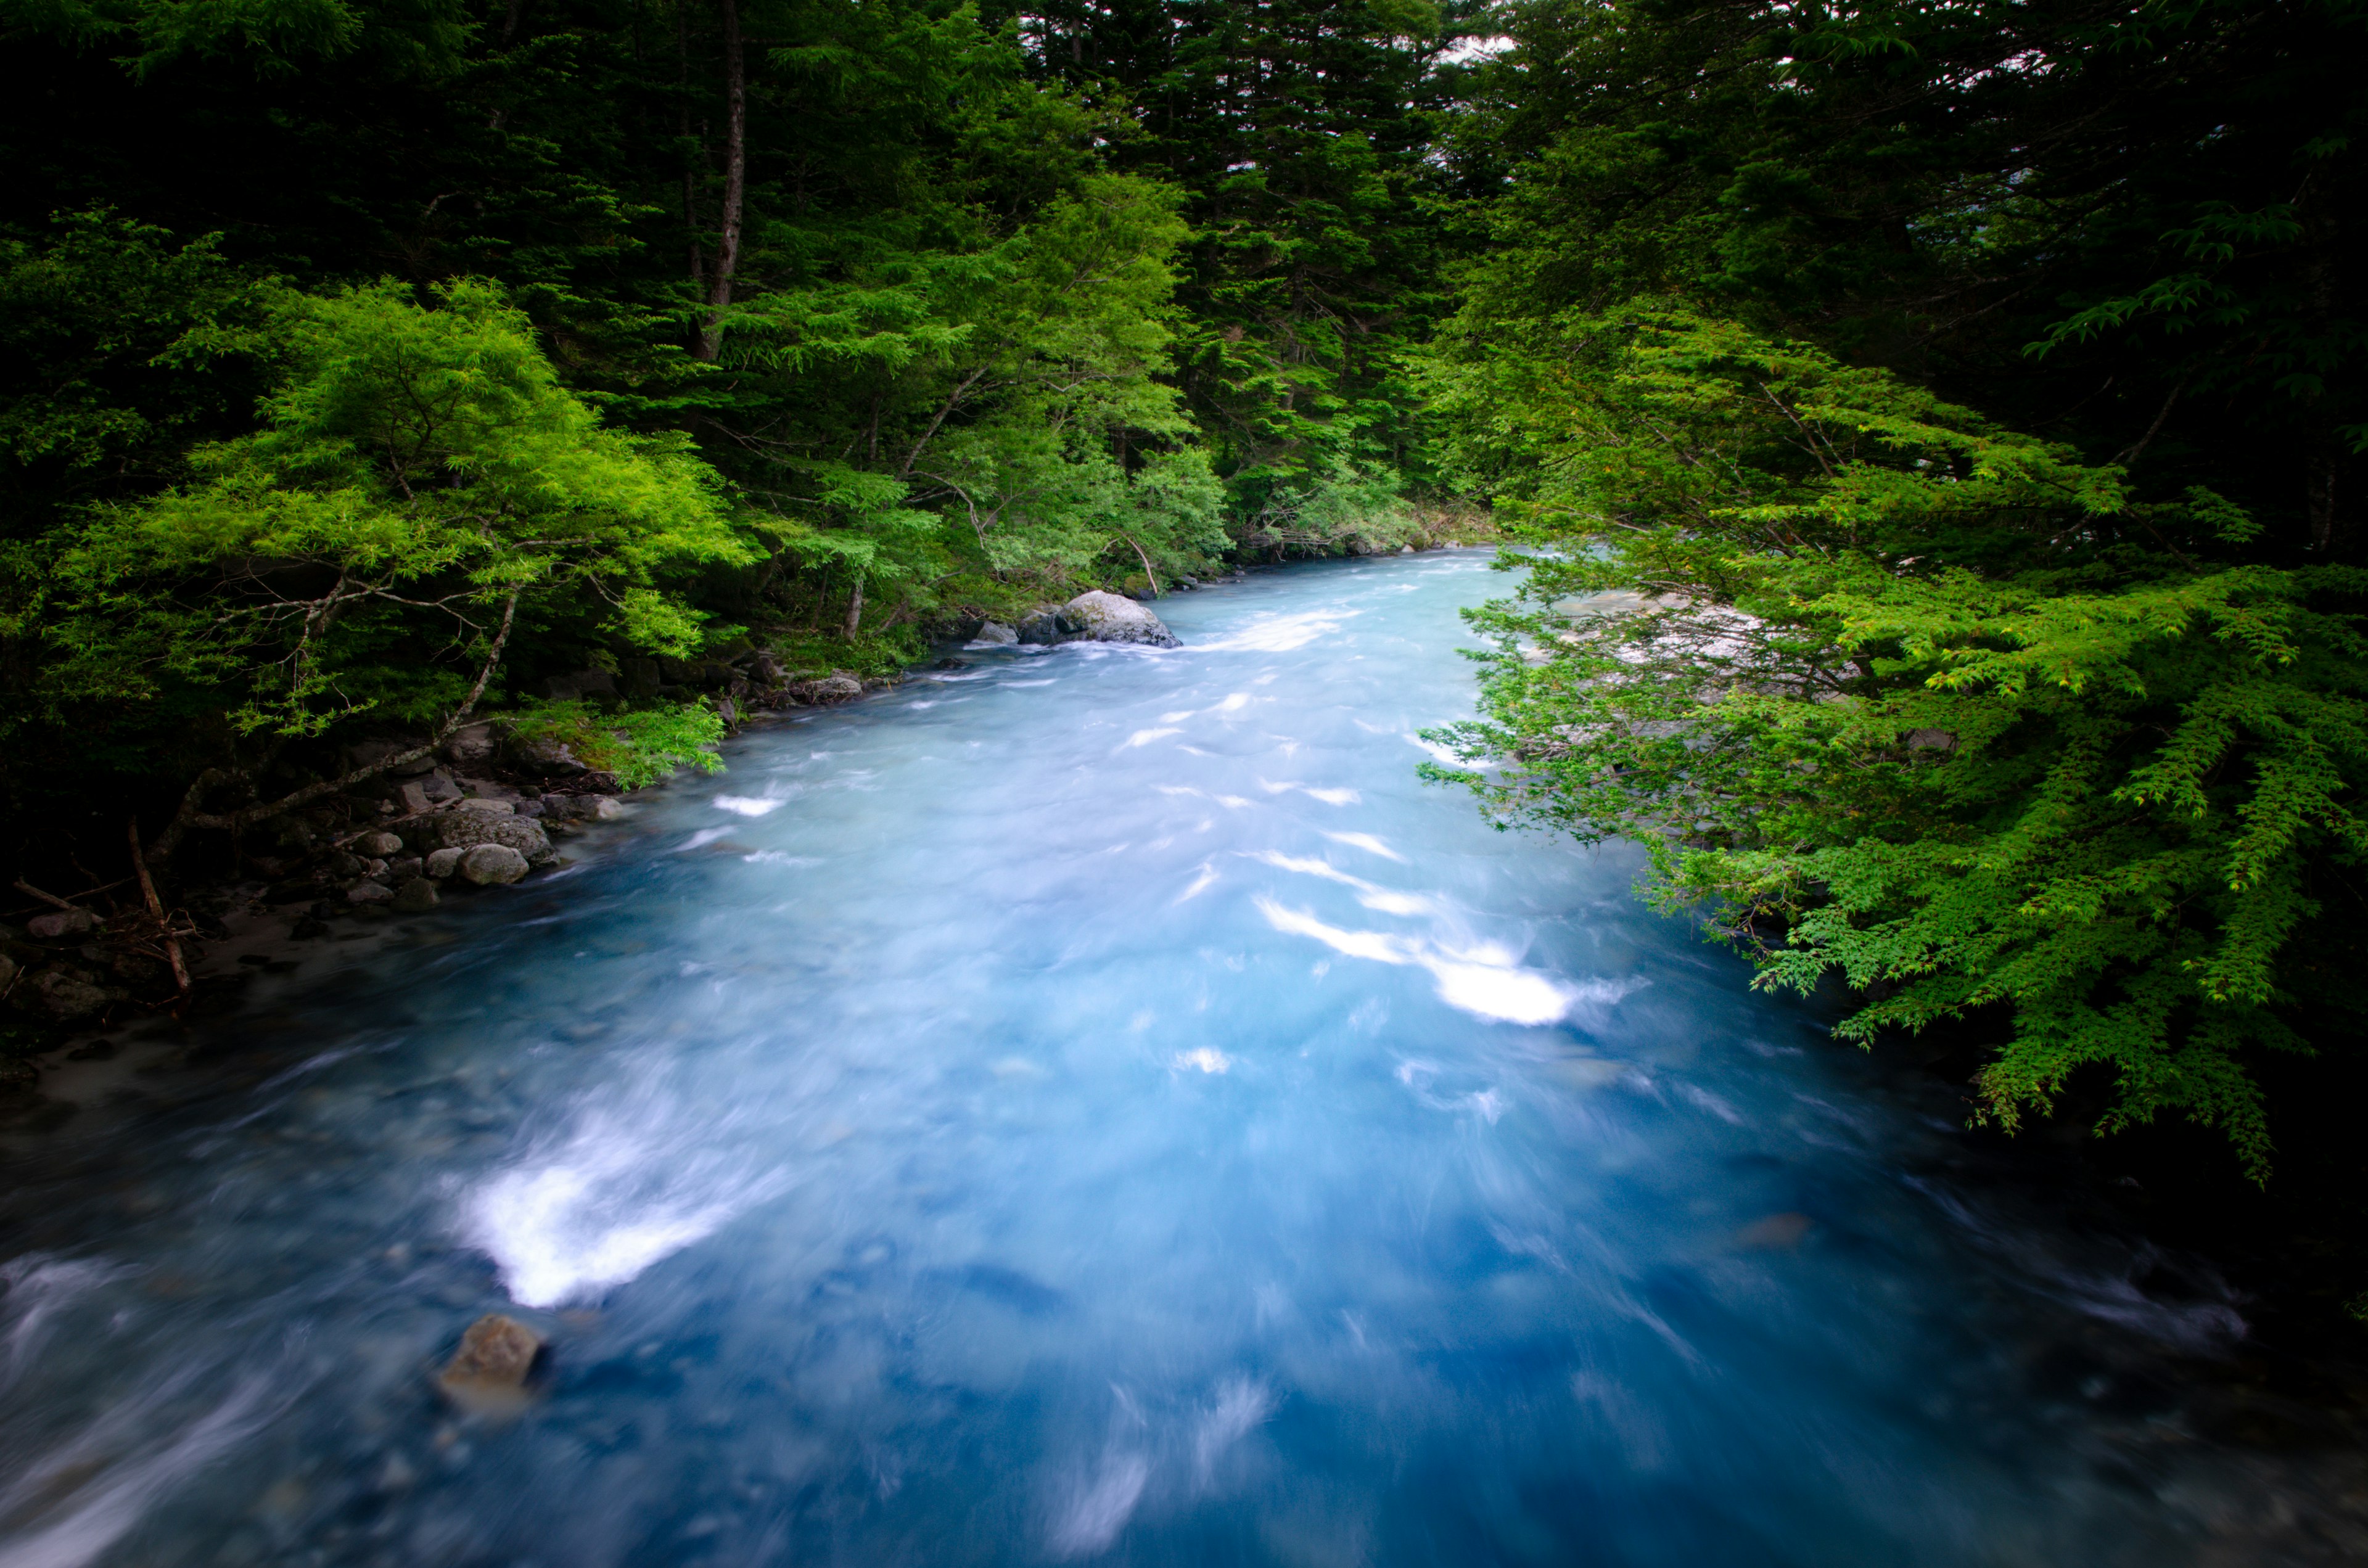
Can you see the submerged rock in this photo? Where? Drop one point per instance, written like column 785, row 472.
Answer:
column 492, row 1371
column 491, row 865
column 414, row 897
column 64, row 996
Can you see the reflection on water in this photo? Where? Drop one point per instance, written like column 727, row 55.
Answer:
column 1095, row 1102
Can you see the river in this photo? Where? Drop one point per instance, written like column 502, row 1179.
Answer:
column 1091, row 1104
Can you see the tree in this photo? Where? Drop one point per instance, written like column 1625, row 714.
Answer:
column 420, row 478
column 1893, row 692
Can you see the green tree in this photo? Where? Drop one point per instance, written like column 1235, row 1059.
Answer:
column 1893, row 692
column 420, row 480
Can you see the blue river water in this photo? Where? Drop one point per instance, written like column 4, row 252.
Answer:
column 1091, row 1105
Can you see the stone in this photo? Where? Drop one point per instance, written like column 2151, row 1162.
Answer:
column 995, row 634
column 542, row 757
column 1406, row 550
column 491, row 865
column 1098, row 617
column 492, row 1371
column 59, row 923
column 440, row 864
column 603, row 808
column 487, row 803
column 63, row 995
column 415, row 799
column 376, row 872
column 725, row 710
column 1042, row 627
column 7, row 971
column 378, row 845
column 767, row 670
column 470, row 743
column 400, row 869
column 416, row 896
column 466, row 830
column 838, row 688
column 369, row 893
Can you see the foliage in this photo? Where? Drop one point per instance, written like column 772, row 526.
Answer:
column 639, row 745
column 1933, row 704
column 419, row 468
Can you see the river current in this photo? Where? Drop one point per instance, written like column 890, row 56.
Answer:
column 1095, row 1104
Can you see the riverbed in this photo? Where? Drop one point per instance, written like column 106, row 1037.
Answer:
column 1093, row 1104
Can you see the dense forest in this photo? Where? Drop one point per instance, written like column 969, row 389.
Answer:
column 1932, row 432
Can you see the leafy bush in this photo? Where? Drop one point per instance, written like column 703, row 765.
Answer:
column 1895, row 693
column 640, row 745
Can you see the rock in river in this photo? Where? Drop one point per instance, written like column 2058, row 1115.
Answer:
column 416, row 896
column 1097, row 617
column 491, row 865
column 491, row 1371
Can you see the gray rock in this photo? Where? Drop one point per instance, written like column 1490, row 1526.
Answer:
column 378, row 845
column 59, row 923
column 767, row 670
column 541, row 757
column 995, row 634
column 369, row 893
column 470, row 743
column 416, row 896
column 491, row 865
column 1406, row 550
column 604, row 809
column 400, row 869
column 440, row 864
column 1042, row 627
column 7, row 971
column 63, row 995
column 838, row 688
column 466, row 830
column 1098, row 617
column 499, row 808
column 415, row 799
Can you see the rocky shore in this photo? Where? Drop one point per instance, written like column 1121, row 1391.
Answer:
column 487, row 809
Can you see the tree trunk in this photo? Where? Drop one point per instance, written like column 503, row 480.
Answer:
column 690, row 168
column 735, row 181
column 855, row 606
column 2320, row 471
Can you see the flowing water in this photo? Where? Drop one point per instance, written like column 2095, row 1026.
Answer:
column 1096, row 1103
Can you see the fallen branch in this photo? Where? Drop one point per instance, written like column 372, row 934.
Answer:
column 50, row 898
column 193, row 813
column 156, row 911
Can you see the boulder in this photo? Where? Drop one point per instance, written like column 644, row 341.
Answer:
column 470, row 743
column 369, row 893
column 378, row 845
column 440, row 864
column 491, row 1372
column 59, row 923
column 64, row 996
column 490, row 865
column 1042, row 627
column 995, row 634
column 1098, row 617
column 416, row 896
column 488, row 803
column 838, row 688
column 541, row 758
column 466, row 830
